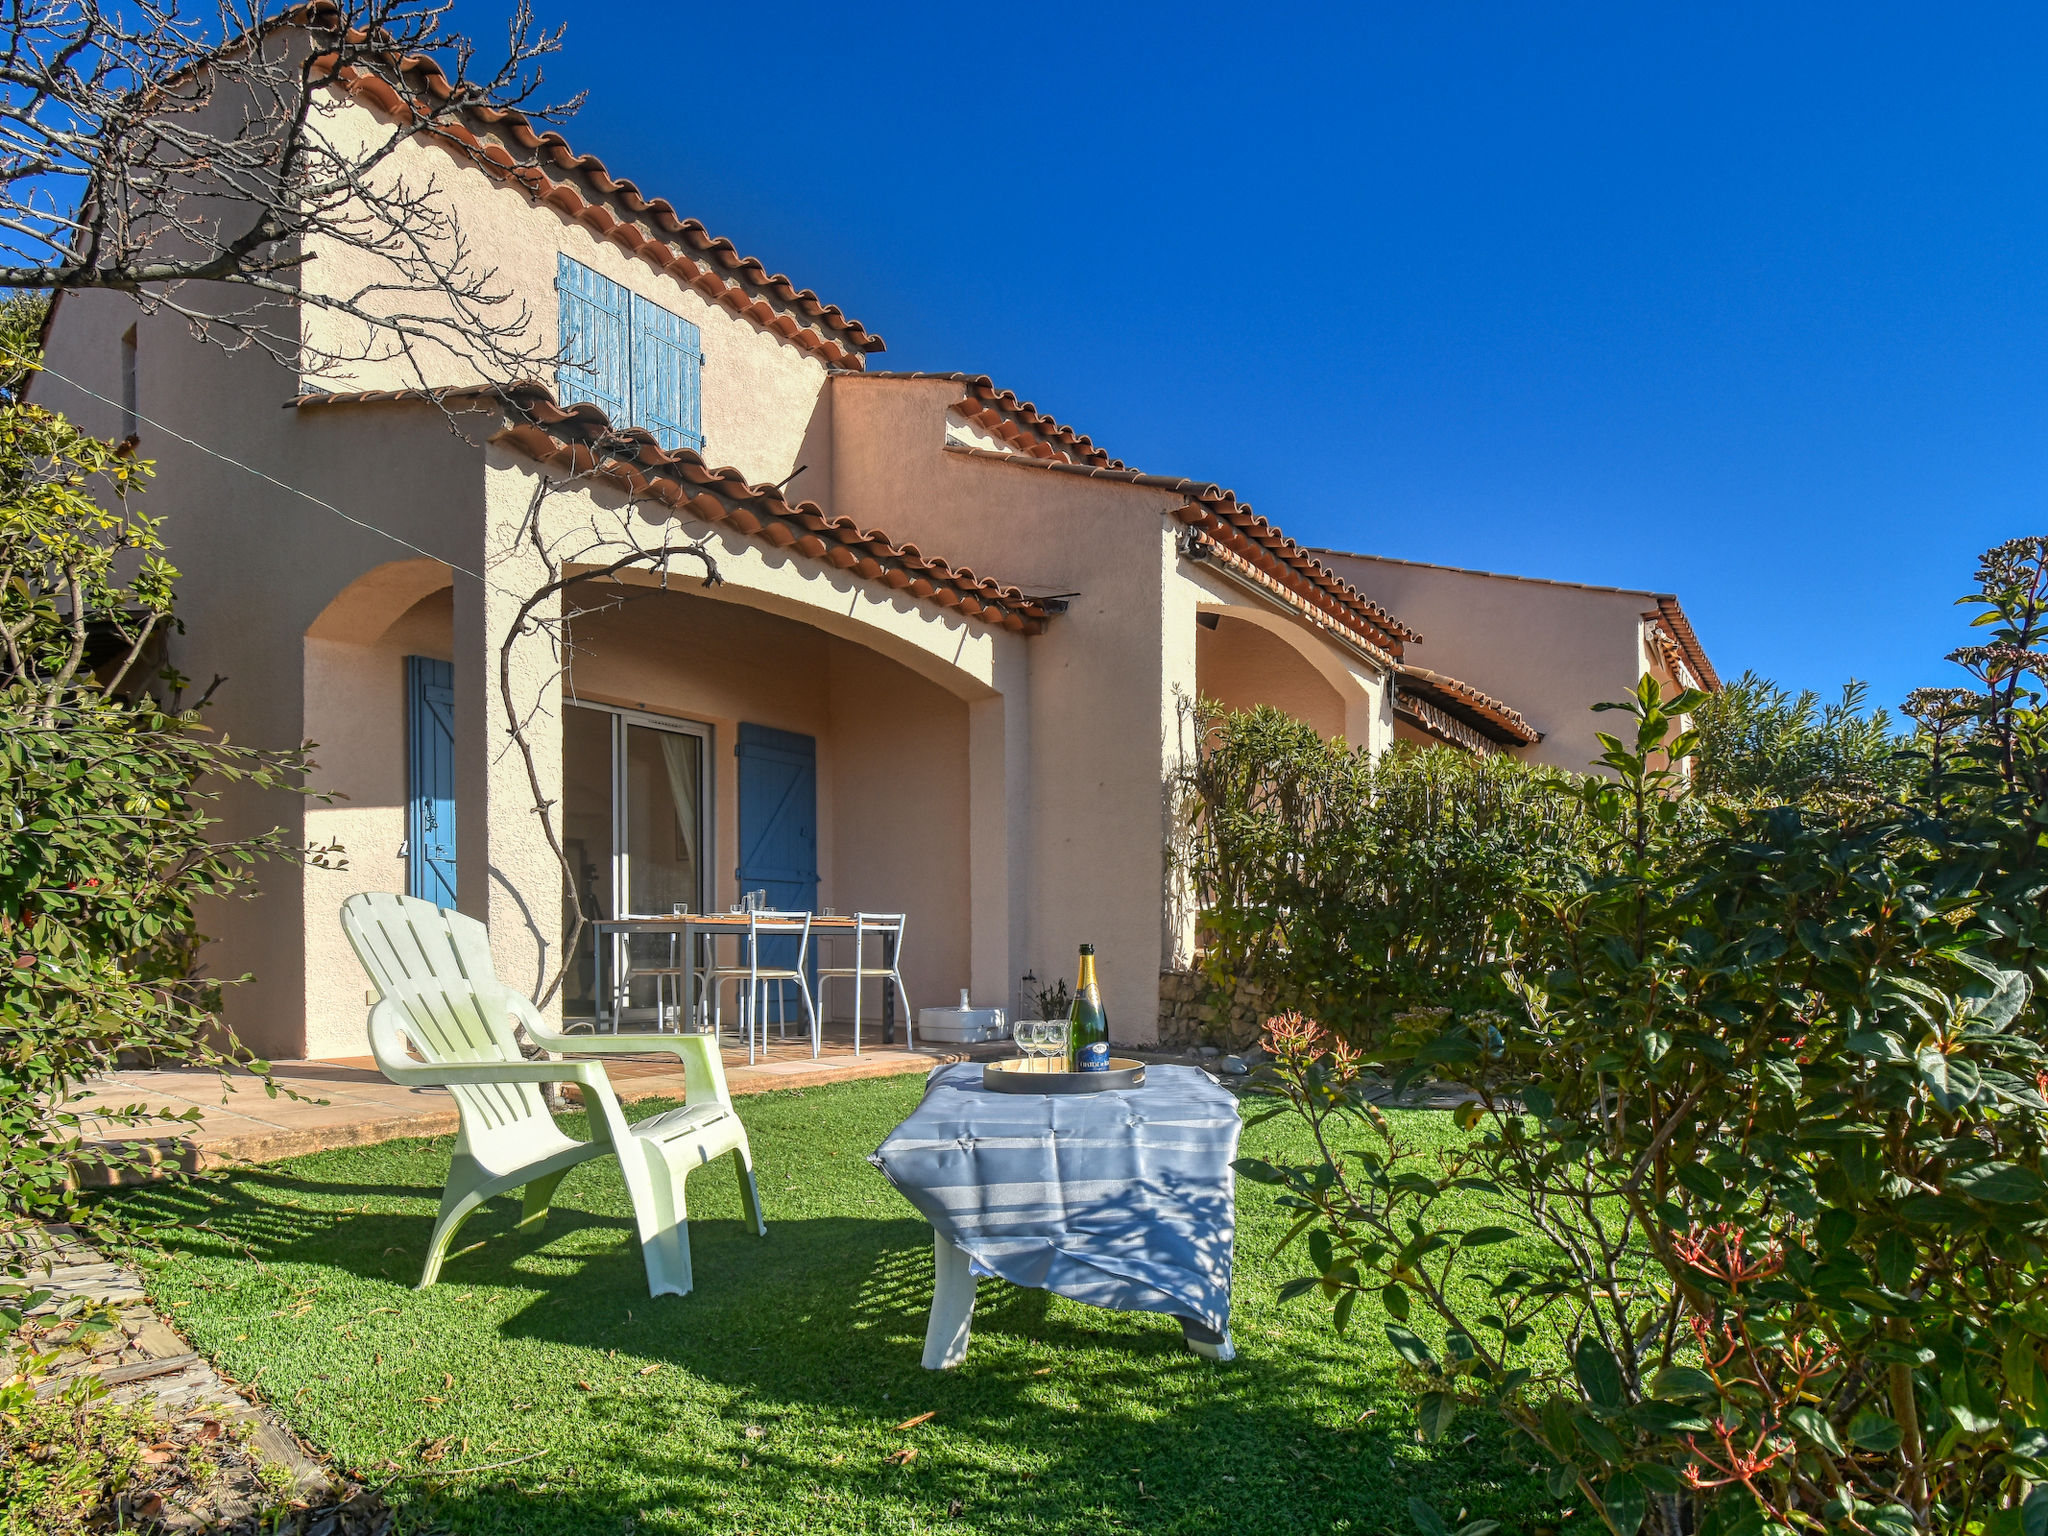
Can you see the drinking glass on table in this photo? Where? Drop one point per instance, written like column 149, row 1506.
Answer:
column 1052, row 1038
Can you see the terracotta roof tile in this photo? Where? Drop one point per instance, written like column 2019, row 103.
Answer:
column 1680, row 627
column 1218, row 516
column 1463, row 702
column 582, row 437
column 1017, row 422
column 504, row 143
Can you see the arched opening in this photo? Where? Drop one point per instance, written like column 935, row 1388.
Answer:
column 1241, row 664
column 686, row 715
column 355, row 711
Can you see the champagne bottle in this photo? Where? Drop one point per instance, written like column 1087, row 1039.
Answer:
column 1087, row 1024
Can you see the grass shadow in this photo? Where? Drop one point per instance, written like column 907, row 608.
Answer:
column 775, row 1397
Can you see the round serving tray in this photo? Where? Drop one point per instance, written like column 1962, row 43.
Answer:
column 1037, row 1074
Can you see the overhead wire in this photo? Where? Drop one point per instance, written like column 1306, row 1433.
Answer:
column 264, row 475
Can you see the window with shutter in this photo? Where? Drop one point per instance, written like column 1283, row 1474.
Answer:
column 597, row 346
column 668, row 362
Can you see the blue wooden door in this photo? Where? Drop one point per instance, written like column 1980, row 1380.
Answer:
column 778, row 781
column 430, row 780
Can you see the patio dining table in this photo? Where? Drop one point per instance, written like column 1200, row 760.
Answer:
column 1122, row 1199
column 615, row 970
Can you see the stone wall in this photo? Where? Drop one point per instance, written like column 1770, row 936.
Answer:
column 1187, row 1017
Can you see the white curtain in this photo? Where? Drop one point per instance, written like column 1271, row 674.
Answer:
column 679, row 756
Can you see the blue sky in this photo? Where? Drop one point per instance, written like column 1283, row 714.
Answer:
column 1744, row 303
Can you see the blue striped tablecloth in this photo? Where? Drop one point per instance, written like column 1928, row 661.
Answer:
column 1121, row 1199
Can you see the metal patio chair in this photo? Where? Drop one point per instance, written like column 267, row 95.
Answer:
column 753, row 972
column 887, row 929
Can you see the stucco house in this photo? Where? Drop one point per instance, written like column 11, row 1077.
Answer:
column 1556, row 648
column 941, row 672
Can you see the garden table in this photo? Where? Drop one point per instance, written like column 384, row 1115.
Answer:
column 1120, row 1199
column 610, row 934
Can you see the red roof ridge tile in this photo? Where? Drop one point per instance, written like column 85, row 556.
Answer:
column 649, row 227
column 1016, row 421
column 1232, row 525
column 582, row 435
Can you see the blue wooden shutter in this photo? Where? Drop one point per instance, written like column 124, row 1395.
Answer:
column 596, row 341
column 778, row 793
column 668, row 361
column 430, row 780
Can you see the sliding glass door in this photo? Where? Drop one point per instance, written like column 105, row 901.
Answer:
column 636, row 824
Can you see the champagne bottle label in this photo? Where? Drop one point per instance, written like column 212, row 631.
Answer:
column 1087, row 1023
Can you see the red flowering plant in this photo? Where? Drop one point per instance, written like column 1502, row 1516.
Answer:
column 1748, row 1231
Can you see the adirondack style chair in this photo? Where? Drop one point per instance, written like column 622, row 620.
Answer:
column 440, row 996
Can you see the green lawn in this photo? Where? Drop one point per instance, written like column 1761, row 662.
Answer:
column 779, row 1382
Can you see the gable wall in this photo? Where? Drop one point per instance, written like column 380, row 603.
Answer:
column 761, row 393
column 1547, row 649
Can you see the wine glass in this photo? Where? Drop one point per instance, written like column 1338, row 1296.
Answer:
column 1052, row 1038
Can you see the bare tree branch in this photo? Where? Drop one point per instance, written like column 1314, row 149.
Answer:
column 205, row 163
column 598, row 551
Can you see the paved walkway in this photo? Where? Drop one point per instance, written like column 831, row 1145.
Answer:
column 350, row 1103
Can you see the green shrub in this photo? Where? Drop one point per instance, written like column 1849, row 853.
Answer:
column 1762, row 1133
column 1762, row 745
column 106, row 841
column 65, row 1463
column 1355, row 889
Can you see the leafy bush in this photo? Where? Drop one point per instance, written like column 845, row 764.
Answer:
column 1351, row 888
column 1762, row 1132
column 1762, row 745
column 66, row 1463
column 106, row 844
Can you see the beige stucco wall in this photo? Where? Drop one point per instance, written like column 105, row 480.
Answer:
column 1549, row 649
column 1107, row 678
column 260, row 565
column 761, row 393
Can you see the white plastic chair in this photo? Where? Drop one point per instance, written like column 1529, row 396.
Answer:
column 441, row 998
column 753, row 977
column 887, row 927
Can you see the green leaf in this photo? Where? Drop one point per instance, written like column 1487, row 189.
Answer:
column 1410, row 1347
column 1598, row 1438
column 1426, row 1519
column 1434, row 1413
column 1874, row 1431
column 1627, row 1501
column 1808, row 1421
column 1834, row 1228
column 1341, row 1317
column 2009, row 995
column 1600, row 1376
column 1481, row 1237
column 1997, row 1183
column 1259, row 1171
column 1394, row 1297
column 2034, row 1511
column 1679, row 1381
column 1662, row 1418
column 1289, row 1289
column 1897, row 1257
